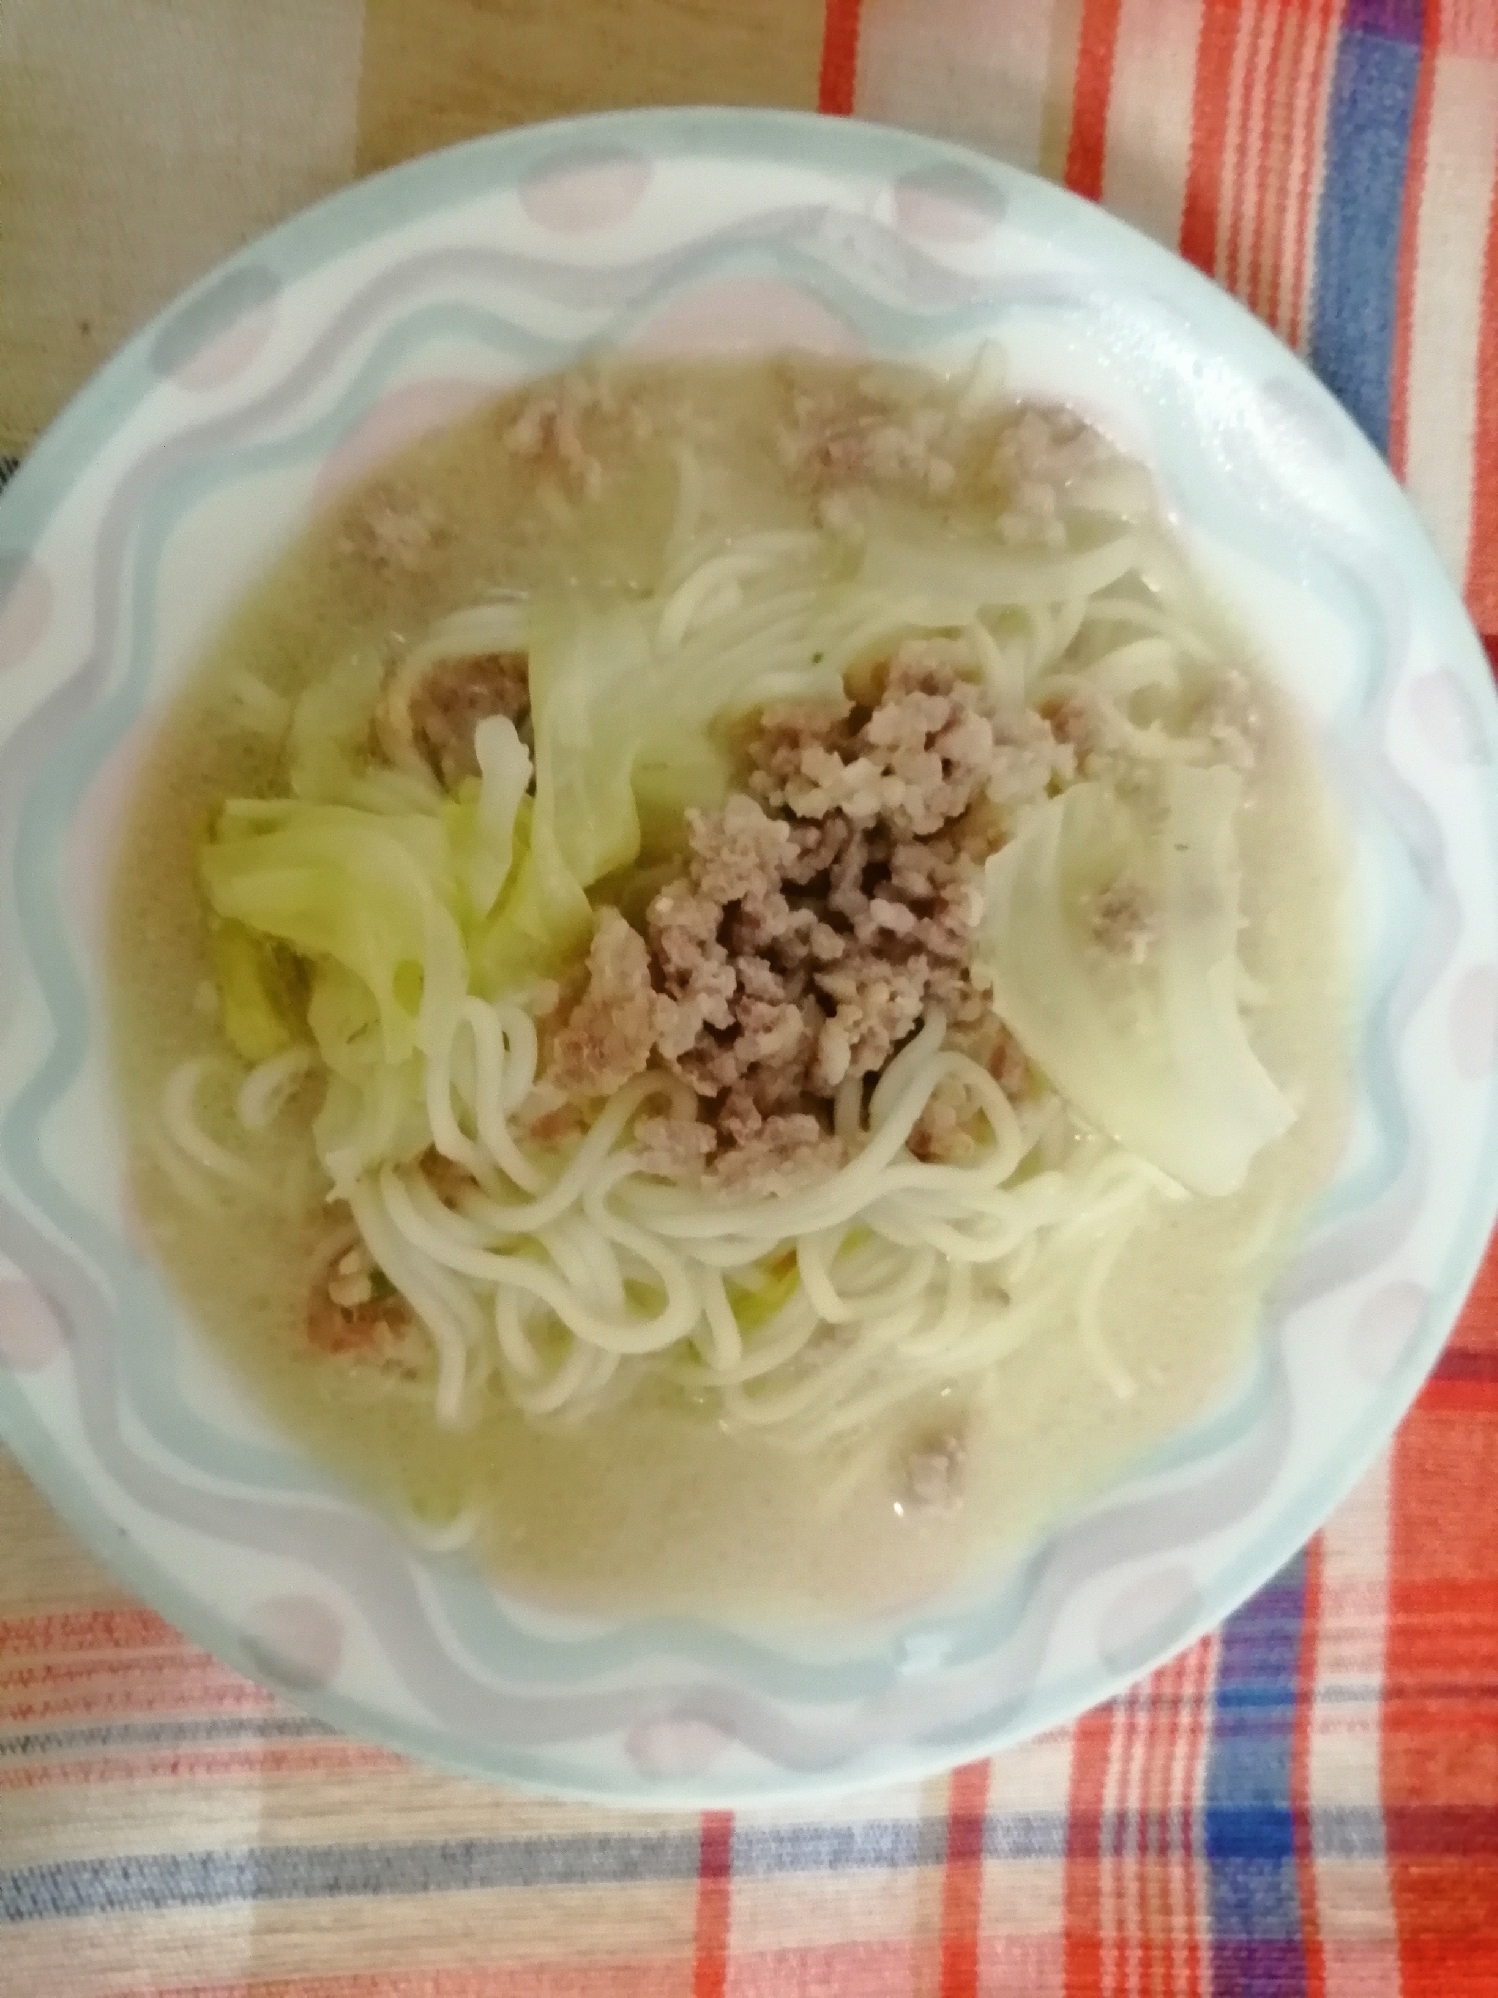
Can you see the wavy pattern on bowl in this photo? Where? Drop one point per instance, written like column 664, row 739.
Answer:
column 385, row 311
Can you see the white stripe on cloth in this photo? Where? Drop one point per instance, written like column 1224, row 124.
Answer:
column 1149, row 116
column 974, row 73
column 1446, row 311
column 1354, row 1915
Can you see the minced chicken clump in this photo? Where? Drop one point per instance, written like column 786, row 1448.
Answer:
column 821, row 910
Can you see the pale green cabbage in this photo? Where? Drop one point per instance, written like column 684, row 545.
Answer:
column 1153, row 1052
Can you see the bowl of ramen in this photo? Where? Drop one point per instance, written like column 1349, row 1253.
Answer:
column 750, row 985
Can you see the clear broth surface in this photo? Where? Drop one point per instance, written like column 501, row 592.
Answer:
column 650, row 1506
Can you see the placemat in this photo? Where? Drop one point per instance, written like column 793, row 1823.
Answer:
column 1305, row 1802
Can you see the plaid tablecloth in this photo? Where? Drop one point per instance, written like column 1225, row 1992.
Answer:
column 1306, row 1802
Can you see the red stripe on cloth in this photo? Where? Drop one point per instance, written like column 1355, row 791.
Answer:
column 1439, row 1747
column 1490, row 646
column 714, row 1887
column 1301, row 1799
column 1161, row 1711
column 962, row 1880
column 1209, row 117
column 1115, row 1851
column 200, row 1765
column 1482, row 547
column 1184, row 1959
column 1198, row 1711
column 839, row 78
column 1244, row 190
column 1082, row 1890
column 1266, row 257
column 1153, row 1713
column 89, row 1630
column 1409, row 243
column 1097, row 44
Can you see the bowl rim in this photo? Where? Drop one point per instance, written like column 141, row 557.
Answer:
column 421, row 189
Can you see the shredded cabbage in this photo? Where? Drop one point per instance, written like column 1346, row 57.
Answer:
column 375, row 893
column 483, row 822
column 258, row 1003
column 1153, row 1053
column 386, row 908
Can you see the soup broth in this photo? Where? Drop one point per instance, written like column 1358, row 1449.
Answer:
column 654, row 1499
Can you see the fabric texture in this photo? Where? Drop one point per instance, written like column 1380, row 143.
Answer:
column 1306, row 1802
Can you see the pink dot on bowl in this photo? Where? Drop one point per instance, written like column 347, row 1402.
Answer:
column 1147, row 1616
column 296, row 1639
column 739, row 315
column 1474, row 1021
column 947, row 204
column 217, row 333
column 31, row 1334
column 229, row 354
column 400, row 416
column 1384, row 1325
column 26, row 600
column 1447, row 718
column 595, row 187
column 674, row 1746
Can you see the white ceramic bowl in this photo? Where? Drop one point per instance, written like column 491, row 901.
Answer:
column 165, row 488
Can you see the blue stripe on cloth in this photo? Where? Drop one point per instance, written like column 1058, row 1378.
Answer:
column 309, row 1873
column 1248, row 1830
column 77, row 1887
column 1357, row 240
column 115, row 1735
column 885, row 1843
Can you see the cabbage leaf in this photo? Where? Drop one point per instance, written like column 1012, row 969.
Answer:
column 374, row 893
column 1153, row 1052
column 259, row 1004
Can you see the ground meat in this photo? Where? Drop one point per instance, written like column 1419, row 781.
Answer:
column 877, row 1005
column 1231, row 723
column 1038, row 453
column 987, row 1041
column 455, row 696
column 548, row 434
column 393, row 531
column 550, row 1128
column 694, row 967
column 769, row 999
column 868, row 438
column 351, row 1307
column 1030, row 756
column 784, row 1152
column 801, row 949
column 916, row 759
column 1072, row 721
column 932, row 1477
column 953, row 1121
column 941, row 1134
column 673, row 1147
column 447, row 1179
column 1085, row 726
column 608, row 1036
column 1124, row 921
